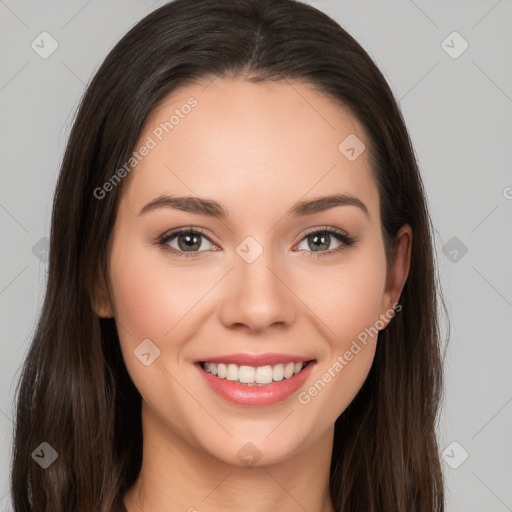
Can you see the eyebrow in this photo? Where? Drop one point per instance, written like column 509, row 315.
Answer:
column 214, row 209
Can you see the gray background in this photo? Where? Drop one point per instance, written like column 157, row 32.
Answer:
column 458, row 111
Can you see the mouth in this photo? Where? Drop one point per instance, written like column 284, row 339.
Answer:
column 254, row 375
column 249, row 385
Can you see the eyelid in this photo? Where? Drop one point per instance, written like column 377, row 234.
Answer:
column 344, row 238
column 346, row 241
column 321, row 229
column 171, row 233
column 162, row 241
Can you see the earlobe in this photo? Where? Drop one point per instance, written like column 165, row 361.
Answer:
column 101, row 302
column 103, row 311
column 399, row 271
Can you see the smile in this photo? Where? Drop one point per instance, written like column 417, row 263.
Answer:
column 251, row 375
column 255, row 386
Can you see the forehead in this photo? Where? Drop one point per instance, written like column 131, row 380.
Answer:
column 241, row 142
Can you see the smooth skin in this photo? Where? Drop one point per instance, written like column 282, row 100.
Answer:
column 257, row 149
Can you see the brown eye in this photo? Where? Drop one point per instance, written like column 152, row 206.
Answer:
column 326, row 240
column 187, row 241
column 319, row 242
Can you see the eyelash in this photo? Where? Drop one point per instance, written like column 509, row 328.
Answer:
column 346, row 241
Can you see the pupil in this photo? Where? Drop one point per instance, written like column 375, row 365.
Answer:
column 188, row 242
column 322, row 240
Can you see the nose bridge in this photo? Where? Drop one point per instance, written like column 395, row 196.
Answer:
column 255, row 295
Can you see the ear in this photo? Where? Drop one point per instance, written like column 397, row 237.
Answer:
column 399, row 271
column 101, row 302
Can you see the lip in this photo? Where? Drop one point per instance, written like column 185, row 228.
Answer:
column 257, row 396
column 251, row 359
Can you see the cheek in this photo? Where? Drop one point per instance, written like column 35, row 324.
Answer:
column 138, row 304
column 150, row 302
column 347, row 298
column 150, row 297
column 357, row 301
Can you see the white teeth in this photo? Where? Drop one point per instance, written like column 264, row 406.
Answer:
column 278, row 372
column 288, row 370
column 253, row 375
column 221, row 370
column 263, row 375
column 232, row 373
column 246, row 374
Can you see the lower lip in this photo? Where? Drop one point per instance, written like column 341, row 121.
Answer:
column 256, row 396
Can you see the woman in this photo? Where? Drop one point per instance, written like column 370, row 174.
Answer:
column 241, row 311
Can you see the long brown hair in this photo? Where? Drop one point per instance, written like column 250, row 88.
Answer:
column 74, row 392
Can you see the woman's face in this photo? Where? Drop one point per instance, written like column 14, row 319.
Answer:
column 253, row 282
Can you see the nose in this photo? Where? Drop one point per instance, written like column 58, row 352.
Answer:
column 256, row 297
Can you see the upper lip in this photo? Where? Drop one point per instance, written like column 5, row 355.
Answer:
column 251, row 359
